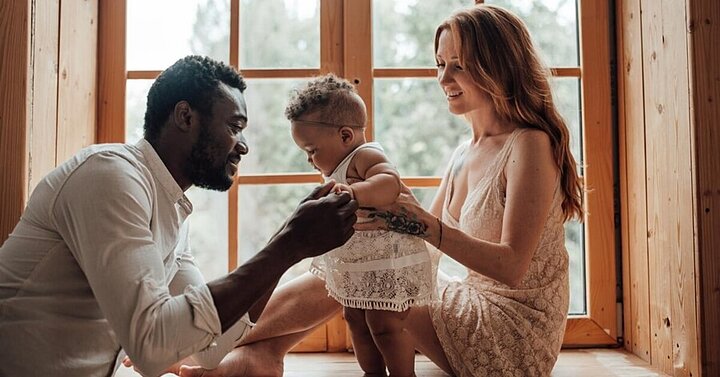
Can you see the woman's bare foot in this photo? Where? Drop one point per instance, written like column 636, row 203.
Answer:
column 247, row 361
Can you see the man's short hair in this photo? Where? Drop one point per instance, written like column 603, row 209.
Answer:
column 194, row 79
column 335, row 98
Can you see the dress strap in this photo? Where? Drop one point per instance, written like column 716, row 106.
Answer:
column 504, row 153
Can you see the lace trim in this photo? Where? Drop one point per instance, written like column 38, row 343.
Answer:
column 378, row 304
column 384, row 264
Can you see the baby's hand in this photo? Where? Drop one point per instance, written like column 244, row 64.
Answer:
column 340, row 188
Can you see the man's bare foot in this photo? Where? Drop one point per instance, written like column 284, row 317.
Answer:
column 252, row 360
column 173, row 369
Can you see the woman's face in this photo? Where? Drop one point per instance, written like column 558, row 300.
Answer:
column 462, row 93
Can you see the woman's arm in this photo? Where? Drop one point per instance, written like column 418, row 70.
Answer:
column 531, row 181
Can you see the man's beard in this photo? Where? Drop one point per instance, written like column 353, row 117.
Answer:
column 203, row 168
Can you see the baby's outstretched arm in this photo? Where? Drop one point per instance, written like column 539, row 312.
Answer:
column 380, row 181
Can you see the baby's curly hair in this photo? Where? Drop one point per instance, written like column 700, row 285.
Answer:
column 335, row 98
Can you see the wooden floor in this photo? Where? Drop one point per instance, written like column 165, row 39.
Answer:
column 572, row 363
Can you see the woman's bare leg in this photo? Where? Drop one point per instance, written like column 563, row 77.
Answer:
column 395, row 344
column 297, row 306
column 419, row 324
column 294, row 311
column 368, row 355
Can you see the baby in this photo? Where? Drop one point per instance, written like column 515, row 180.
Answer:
column 377, row 275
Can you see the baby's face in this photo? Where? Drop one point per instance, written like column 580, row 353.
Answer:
column 322, row 145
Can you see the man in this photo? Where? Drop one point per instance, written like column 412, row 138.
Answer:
column 100, row 263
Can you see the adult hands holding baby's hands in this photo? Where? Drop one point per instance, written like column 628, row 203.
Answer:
column 321, row 222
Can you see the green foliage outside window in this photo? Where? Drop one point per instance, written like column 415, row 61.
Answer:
column 411, row 118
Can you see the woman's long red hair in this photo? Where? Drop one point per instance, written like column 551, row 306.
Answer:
column 495, row 48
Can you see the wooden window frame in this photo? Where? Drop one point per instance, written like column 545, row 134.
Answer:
column 348, row 23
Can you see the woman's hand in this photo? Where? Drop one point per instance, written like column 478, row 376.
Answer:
column 406, row 215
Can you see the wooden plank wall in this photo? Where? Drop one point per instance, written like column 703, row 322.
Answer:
column 631, row 137
column 47, row 82
column 44, row 91
column 670, row 189
column 14, row 79
column 704, row 27
column 77, row 76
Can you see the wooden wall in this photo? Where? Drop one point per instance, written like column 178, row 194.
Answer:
column 670, row 181
column 47, row 85
column 14, row 59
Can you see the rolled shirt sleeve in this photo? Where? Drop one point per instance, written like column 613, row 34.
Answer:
column 206, row 317
column 190, row 280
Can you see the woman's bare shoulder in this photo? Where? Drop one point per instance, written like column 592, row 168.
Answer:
column 532, row 145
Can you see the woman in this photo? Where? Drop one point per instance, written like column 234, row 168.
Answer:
column 500, row 211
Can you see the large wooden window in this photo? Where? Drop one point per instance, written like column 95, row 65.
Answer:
column 385, row 47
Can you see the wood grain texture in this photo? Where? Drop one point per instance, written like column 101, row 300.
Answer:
column 233, row 198
column 704, row 39
column 597, row 145
column 357, row 42
column 14, row 61
column 316, row 341
column 571, row 363
column 111, row 71
column 670, row 208
column 583, row 331
column 42, row 122
column 77, row 86
column 632, row 180
column 331, row 37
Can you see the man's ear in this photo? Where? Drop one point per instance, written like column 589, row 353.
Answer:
column 347, row 135
column 182, row 116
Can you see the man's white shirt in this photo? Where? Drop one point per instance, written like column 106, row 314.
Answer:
column 100, row 261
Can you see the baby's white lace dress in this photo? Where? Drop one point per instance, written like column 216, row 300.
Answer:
column 377, row 270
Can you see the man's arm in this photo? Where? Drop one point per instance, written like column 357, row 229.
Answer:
column 316, row 226
column 104, row 213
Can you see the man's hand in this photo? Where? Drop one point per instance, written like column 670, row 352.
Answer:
column 340, row 188
column 320, row 223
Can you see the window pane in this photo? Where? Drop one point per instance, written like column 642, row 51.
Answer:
column 272, row 149
column 263, row 209
column 424, row 195
column 447, row 265
column 575, row 244
column 414, row 126
column 135, row 103
column 160, row 32
column 209, row 231
column 566, row 93
column 280, row 34
column 552, row 25
column 404, row 30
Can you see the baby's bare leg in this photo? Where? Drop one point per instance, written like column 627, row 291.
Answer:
column 368, row 356
column 393, row 341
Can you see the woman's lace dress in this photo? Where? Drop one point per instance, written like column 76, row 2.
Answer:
column 485, row 327
column 378, row 270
